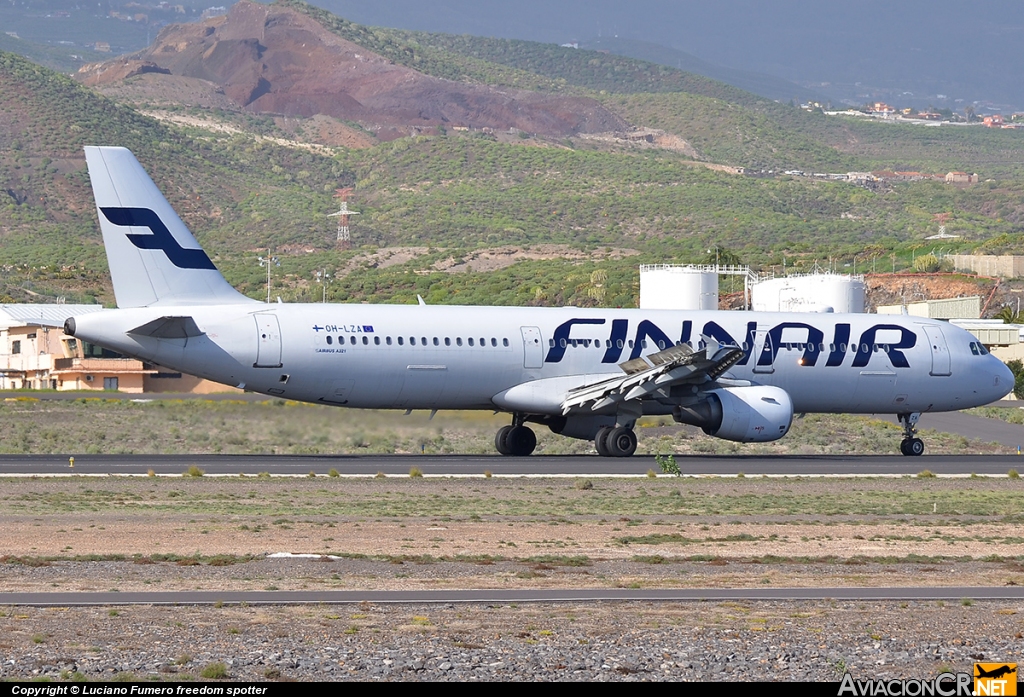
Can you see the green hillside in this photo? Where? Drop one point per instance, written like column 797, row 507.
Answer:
column 236, row 195
column 450, row 195
column 726, row 124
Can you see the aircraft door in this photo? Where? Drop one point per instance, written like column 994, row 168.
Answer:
column 940, row 351
column 762, row 357
column 268, row 341
column 533, row 348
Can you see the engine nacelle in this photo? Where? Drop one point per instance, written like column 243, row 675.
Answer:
column 754, row 414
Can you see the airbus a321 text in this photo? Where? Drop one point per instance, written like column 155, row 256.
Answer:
column 583, row 373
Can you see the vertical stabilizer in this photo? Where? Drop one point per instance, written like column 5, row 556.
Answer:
column 153, row 258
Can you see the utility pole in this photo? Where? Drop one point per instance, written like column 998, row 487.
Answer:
column 323, row 278
column 269, row 262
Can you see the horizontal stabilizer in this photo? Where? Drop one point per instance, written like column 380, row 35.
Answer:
column 169, row 328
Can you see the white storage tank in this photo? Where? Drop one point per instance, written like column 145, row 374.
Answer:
column 674, row 287
column 821, row 292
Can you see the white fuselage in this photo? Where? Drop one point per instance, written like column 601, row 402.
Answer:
column 447, row 357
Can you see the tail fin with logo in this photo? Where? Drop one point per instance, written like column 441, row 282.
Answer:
column 153, row 258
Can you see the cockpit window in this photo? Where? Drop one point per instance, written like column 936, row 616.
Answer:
column 974, row 349
column 978, row 348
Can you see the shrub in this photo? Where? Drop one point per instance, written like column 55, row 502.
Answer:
column 668, row 464
column 415, row 472
column 333, row 473
column 194, row 471
column 214, row 671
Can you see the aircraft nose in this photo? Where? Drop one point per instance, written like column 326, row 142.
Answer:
column 1002, row 380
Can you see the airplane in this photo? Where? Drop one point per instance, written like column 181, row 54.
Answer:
column 583, row 373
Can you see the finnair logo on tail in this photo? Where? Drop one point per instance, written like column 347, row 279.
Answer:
column 160, row 239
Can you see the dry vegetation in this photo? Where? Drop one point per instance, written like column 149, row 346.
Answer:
column 123, row 426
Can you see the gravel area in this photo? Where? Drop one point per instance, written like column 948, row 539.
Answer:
column 601, row 641
column 131, row 534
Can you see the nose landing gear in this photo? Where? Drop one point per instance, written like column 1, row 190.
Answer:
column 911, row 444
column 516, row 440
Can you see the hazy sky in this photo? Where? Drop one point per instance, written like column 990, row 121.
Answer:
column 942, row 45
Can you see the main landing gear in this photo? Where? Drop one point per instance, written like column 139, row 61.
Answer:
column 516, row 440
column 615, row 441
column 911, row 445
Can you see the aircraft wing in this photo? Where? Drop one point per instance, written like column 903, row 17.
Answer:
column 643, row 377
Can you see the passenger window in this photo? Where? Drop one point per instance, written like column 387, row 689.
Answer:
column 412, row 341
column 330, row 340
column 842, row 347
column 483, row 342
column 366, row 340
column 631, row 343
column 494, row 342
column 504, row 342
column 458, row 341
column 401, row 341
column 436, row 342
column 388, row 341
column 352, row 340
column 618, row 343
column 470, row 341
column 561, row 342
column 376, row 341
column 423, row 340
column 551, row 343
column 447, row 341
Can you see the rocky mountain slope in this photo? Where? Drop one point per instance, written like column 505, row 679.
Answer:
column 273, row 59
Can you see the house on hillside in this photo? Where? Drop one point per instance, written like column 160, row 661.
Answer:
column 961, row 178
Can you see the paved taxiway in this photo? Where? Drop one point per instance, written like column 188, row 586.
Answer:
column 538, row 465
column 951, row 593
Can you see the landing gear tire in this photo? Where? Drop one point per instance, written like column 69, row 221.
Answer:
column 520, row 441
column 500, row 440
column 912, row 447
column 620, row 442
column 601, row 441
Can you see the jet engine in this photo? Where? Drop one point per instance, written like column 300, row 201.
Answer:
column 753, row 414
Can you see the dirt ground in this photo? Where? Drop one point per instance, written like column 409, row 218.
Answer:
column 91, row 533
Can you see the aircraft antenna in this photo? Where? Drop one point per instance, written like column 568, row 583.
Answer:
column 342, row 214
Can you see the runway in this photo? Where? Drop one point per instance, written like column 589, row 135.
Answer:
column 535, row 466
column 503, row 596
